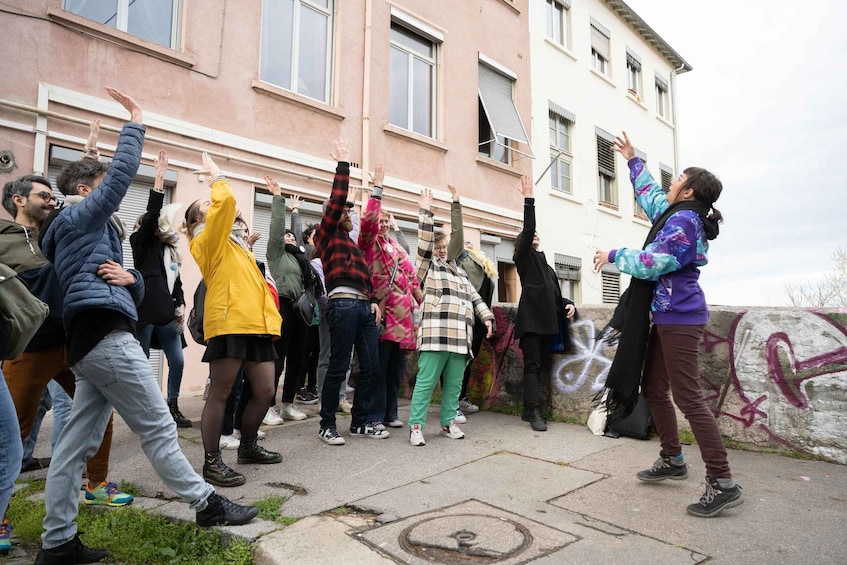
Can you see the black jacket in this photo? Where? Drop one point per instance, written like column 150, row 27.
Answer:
column 159, row 305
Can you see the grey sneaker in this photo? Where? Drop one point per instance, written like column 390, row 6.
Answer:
column 715, row 500
column 663, row 469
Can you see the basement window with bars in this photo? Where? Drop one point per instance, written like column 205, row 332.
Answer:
column 666, row 173
column 607, row 189
column 611, row 280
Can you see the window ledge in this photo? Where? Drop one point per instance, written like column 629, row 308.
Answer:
column 636, row 99
column 288, row 96
column 414, row 137
column 609, row 208
column 563, row 195
column 511, row 4
column 600, row 75
column 561, row 48
column 664, row 121
column 641, row 219
column 122, row 38
column 498, row 166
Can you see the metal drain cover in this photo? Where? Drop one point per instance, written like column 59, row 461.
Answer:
column 468, row 532
column 465, row 538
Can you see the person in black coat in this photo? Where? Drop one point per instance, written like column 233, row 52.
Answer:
column 161, row 314
column 542, row 311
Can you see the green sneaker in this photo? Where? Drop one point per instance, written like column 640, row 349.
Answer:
column 5, row 537
column 108, row 494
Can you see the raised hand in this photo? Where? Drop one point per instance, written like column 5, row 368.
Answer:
column 600, row 258
column 273, row 186
column 93, row 135
column 161, row 165
column 454, row 192
column 352, row 194
column 252, row 239
column 210, row 169
column 392, row 221
column 378, row 175
column 624, row 146
column 527, row 188
column 426, row 199
column 135, row 114
column 294, row 203
column 342, row 151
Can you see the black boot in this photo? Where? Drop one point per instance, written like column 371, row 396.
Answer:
column 70, row 552
column 535, row 419
column 216, row 472
column 181, row 421
column 221, row 511
column 251, row 452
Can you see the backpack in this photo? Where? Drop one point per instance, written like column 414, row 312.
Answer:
column 21, row 314
column 195, row 317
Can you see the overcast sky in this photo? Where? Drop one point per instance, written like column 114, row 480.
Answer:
column 765, row 108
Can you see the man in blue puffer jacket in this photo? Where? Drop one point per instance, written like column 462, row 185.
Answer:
column 100, row 299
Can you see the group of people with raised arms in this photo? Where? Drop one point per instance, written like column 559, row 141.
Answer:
column 374, row 298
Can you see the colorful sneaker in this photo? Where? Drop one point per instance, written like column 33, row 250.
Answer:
column 5, row 537
column 272, row 418
column 467, row 406
column 663, row 469
column 108, row 494
column 237, row 433
column 370, row 430
column 330, row 436
column 416, row 436
column 290, row 412
column 229, row 442
column 716, row 499
column 460, row 417
column 344, row 406
column 452, row 431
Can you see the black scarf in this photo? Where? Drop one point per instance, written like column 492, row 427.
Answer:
column 311, row 280
column 630, row 324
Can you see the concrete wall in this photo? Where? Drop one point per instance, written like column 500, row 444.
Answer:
column 775, row 378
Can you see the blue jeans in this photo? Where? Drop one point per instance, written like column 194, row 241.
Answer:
column 55, row 397
column 351, row 323
column 170, row 339
column 115, row 373
column 325, row 340
column 10, row 446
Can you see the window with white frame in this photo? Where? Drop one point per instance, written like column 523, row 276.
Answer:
column 662, row 99
column 297, row 46
column 500, row 124
column 607, row 192
column 637, row 210
column 412, row 79
column 560, row 122
column 633, row 73
column 666, row 172
column 568, row 271
column 610, row 278
column 154, row 20
column 558, row 21
column 601, row 52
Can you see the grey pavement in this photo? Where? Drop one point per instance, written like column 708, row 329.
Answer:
column 505, row 494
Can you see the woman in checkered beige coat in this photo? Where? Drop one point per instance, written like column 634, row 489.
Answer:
column 446, row 331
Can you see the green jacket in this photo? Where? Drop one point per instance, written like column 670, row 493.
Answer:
column 456, row 252
column 283, row 265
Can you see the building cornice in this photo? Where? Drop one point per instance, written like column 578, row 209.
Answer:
column 647, row 33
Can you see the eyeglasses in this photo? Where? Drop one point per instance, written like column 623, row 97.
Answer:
column 45, row 196
column 441, row 248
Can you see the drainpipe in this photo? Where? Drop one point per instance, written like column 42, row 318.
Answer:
column 675, row 121
column 366, row 97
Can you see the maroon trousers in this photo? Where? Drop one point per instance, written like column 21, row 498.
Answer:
column 672, row 367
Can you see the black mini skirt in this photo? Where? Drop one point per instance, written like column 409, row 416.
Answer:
column 254, row 348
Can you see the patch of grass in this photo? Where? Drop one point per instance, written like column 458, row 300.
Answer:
column 133, row 536
column 512, row 409
column 129, row 488
column 271, row 509
column 342, row 510
column 685, row 436
column 553, row 417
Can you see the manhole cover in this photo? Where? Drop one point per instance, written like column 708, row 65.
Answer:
column 465, row 538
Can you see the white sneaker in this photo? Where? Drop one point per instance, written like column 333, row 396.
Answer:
column 452, row 431
column 290, row 412
column 467, row 407
column 272, row 418
column 345, row 406
column 460, row 417
column 229, row 442
column 259, row 434
column 416, row 436
column 395, row 423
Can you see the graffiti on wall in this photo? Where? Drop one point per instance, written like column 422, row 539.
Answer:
column 588, row 364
